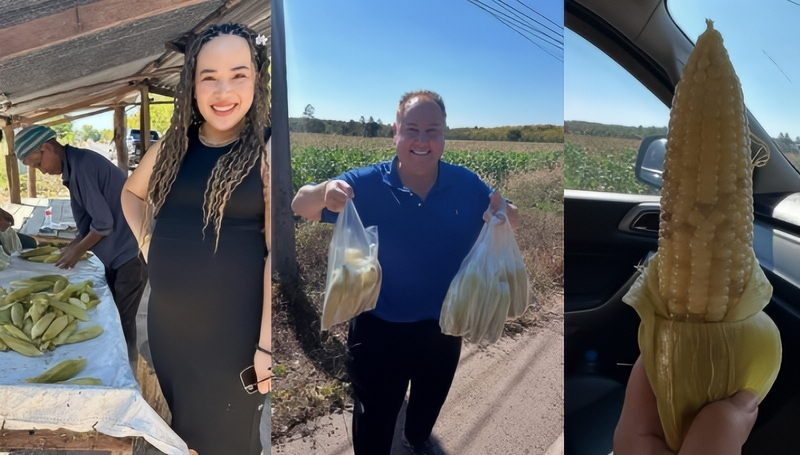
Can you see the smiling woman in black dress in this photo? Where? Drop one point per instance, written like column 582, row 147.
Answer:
column 202, row 190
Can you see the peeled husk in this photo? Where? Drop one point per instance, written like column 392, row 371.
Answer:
column 691, row 364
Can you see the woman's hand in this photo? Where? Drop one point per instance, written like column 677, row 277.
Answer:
column 263, row 365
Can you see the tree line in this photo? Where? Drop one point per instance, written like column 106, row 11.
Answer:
column 373, row 128
column 618, row 131
column 784, row 141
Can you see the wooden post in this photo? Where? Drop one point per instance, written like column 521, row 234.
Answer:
column 119, row 138
column 12, row 167
column 284, row 257
column 144, row 119
column 31, row 181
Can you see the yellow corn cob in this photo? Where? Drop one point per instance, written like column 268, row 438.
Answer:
column 85, row 334
column 65, row 370
column 703, row 336
column 42, row 250
column 59, row 324
column 83, row 381
column 17, row 314
column 352, row 289
column 24, row 347
column 42, row 324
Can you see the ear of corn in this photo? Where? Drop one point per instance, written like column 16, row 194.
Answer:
column 352, row 288
column 43, row 312
column 703, row 336
column 65, row 370
column 490, row 286
column 86, row 334
column 83, row 381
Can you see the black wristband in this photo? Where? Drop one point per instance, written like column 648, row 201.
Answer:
column 265, row 351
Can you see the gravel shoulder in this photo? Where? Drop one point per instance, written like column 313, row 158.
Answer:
column 506, row 399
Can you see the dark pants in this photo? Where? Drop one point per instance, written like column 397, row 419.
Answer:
column 26, row 241
column 127, row 285
column 383, row 357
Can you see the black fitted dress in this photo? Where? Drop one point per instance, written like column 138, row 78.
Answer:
column 204, row 313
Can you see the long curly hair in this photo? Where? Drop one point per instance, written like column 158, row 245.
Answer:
column 234, row 165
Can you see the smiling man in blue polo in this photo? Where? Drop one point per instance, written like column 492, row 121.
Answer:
column 429, row 214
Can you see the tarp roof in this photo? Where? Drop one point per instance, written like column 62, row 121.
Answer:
column 59, row 56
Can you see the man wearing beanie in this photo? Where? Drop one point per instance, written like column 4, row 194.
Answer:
column 95, row 187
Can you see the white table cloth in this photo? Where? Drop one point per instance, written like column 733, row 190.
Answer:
column 117, row 408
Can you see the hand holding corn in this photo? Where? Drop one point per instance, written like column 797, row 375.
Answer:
column 703, row 336
column 720, row 428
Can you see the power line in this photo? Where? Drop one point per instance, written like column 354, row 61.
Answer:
column 505, row 22
column 512, row 19
column 559, row 33
column 538, row 13
column 555, row 41
column 776, row 65
column 521, row 22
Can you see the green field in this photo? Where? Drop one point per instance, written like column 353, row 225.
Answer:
column 602, row 164
column 318, row 157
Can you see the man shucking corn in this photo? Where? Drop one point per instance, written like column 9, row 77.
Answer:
column 703, row 336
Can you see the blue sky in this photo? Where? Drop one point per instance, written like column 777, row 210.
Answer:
column 762, row 41
column 357, row 57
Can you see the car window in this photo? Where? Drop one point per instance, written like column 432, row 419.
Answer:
column 763, row 47
column 601, row 140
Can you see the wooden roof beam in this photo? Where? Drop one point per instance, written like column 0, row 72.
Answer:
column 69, row 118
column 81, row 20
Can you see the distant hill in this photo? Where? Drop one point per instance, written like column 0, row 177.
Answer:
column 619, row 131
column 525, row 133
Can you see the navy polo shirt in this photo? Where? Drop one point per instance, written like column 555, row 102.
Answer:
column 95, row 191
column 421, row 244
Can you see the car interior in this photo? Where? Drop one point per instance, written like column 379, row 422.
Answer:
column 608, row 235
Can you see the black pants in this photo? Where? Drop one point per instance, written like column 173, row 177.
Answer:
column 383, row 358
column 26, row 241
column 127, row 285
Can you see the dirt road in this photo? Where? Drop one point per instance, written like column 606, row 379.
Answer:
column 506, row 399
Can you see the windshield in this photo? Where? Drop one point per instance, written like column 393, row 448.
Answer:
column 762, row 42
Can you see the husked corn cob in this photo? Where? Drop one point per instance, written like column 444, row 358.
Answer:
column 703, row 336
column 706, row 229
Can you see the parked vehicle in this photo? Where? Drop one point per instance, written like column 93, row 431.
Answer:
column 133, row 142
column 608, row 234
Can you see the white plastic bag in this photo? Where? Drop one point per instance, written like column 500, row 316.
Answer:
column 9, row 244
column 491, row 285
column 354, row 274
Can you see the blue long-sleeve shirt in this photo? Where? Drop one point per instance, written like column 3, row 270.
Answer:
column 95, row 188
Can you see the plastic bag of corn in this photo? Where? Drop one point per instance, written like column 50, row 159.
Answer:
column 491, row 285
column 9, row 240
column 354, row 274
